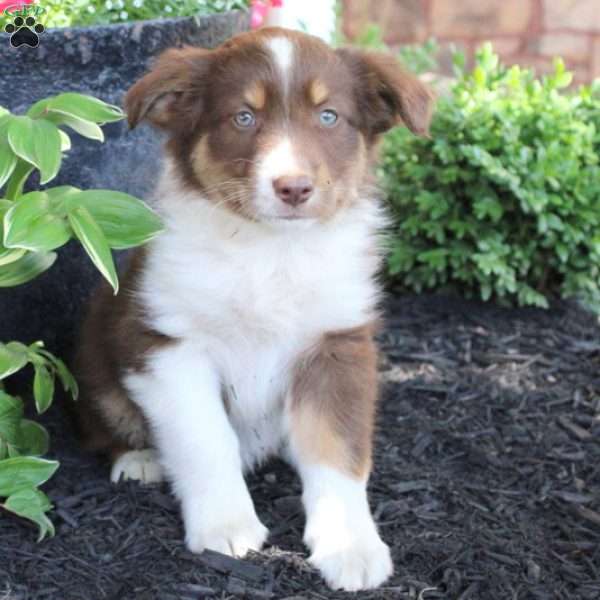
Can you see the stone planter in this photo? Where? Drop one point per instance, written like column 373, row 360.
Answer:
column 104, row 62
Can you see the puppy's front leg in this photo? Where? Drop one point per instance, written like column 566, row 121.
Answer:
column 332, row 411
column 180, row 393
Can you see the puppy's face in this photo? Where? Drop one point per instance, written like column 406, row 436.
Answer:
column 275, row 125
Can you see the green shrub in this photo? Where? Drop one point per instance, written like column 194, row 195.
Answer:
column 81, row 13
column 503, row 200
column 32, row 226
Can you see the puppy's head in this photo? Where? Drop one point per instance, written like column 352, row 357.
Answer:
column 275, row 125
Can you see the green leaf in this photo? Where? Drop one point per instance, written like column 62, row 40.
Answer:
column 84, row 107
column 11, row 413
column 48, row 147
column 38, row 109
column 32, row 225
column 13, row 357
column 26, row 268
column 7, row 255
column 58, row 195
column 32, row 504
column 8, row 161
column 37, row 142
column 83, row 127
column 43, row 388
column 125, row 221
column 17, row 180
column 65, row 141
column 92, row 239
column 68, row 381
column 561, row 78
column 34, row 439
column 24, row 471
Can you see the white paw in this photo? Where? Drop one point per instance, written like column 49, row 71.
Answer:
column 234, row 536
column 360, row 564
column 140, row 465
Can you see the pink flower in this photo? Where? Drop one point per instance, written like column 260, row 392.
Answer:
column 259, row 10
column 4, row 4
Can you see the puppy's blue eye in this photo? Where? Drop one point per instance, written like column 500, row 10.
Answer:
column 245, row 119
column 328, row 118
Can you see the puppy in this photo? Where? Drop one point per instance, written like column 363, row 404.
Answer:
column 246, row 329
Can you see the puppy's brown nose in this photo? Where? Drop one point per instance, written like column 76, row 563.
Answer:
column 293, row 189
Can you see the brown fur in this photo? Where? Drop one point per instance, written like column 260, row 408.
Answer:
column 113, row 340
column 333, row 400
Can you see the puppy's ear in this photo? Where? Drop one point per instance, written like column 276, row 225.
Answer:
column 387, row 94
column 157, row 95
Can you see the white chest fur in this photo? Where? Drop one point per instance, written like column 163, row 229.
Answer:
column 257, row 295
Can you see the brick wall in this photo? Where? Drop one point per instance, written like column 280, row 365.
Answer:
column 529, row 32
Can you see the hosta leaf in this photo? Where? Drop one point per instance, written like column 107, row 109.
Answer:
column 11, row 413
column 5, row 119
column 34, row 439
column 37, row 142
column 68, row 381
column 65, row 141
column 32, row 504
column 38, row 109
column 48, row 147
column 13, row 357
column 8, row 161
column 17, row 180
column 26, row 268
column 58, row 195
column 24, row 471
column 92, row 239
column 7, row 255
column 125, row 221
column 43, row 388
column 31, row 224
column 83, row 127
column 85, row 107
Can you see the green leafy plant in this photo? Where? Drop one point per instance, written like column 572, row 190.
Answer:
column 70, row 13
column 503, row 200
column 32, row 226
column 420, row 58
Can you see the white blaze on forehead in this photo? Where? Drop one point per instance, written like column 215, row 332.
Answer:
column 278, row 161
column 283, row 53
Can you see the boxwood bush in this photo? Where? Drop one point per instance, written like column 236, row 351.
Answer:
column 503, row 199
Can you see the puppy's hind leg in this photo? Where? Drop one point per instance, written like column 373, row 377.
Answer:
column 138, row 465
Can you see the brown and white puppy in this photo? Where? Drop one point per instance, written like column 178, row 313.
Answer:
column 245, row 329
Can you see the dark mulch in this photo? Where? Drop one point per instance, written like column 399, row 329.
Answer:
column 486, row 482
